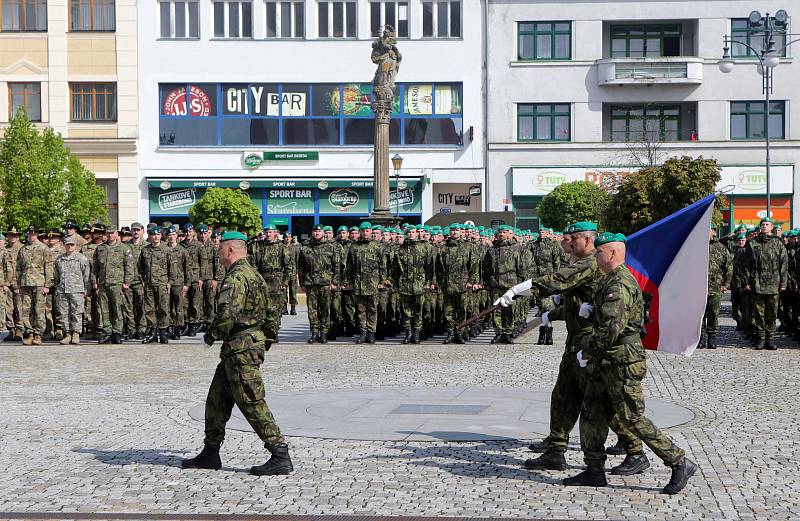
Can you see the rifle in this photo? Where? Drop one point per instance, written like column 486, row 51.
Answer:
column 488, row 311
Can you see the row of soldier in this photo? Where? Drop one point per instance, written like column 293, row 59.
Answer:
column 375, row 282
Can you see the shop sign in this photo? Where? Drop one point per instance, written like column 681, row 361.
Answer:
column 291, row 156
column 456, row 197
column 169, row 201
column 753, row 179
column 252, row 160
column 343, row 198
column 175, row 103
column 290, row 201
column 401, row 198
column 349, row 200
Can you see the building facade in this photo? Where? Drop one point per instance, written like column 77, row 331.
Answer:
column 273, row 98
column 582, row 90
column 72, row 64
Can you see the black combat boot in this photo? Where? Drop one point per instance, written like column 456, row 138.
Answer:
column 362, row 338
column 497, row 338
column 279, row 464
column 507, row 339
column 680, row 476
column 285, row 310
column 756, row 343
column 293, row 311
column 591, row 477
column 331, row 335
column 458, row 338
column 548, row 337
column 615, row 450
column 184, row 330
column 542, row 335
column 407, row 337
column 552, row 459
column 192, row 330
column 115, row 338
column 711, row 342
column 162, row 336
column 448, row 337
column 126, row 334
column 769, row 346
column 415, row 337
column 322, row 337
column 632, row 464
column 137, row 336
column 105, row 338
column 151, row 337
column 540, row 446
column 371, row 337
column 313, row 337
column 207, row 459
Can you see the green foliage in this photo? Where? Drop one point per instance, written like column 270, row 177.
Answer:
column 42, row 183
column 573, row 202
column 653, row 193
column 227, row 207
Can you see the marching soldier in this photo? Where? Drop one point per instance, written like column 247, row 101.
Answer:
column 546, row 260
column 34, row 273
column 318, row 268
column 134, row 295
column 112, row 267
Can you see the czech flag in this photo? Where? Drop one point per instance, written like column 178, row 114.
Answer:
column 669, row 259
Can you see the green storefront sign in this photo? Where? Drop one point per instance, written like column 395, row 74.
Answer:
column 344, row 200
column 290, row 201
column 291, row 156
column 177, row 201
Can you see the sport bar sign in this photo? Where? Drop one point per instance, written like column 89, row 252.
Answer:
column 291, row 156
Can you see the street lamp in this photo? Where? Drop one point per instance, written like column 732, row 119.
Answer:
column 397, row 163
column 768, row 58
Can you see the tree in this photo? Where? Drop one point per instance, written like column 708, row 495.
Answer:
column 227, row 207
column 42, row 182
column 573, row 202
column 653, row 193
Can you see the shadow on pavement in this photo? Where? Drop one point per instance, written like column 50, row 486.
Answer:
column 135, row 456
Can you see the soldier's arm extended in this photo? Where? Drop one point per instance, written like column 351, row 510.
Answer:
column 565, row 278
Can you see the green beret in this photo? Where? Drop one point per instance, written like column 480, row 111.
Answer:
column 713, row 226
column 270, row 228
column 741, row 236
column 341, row 228
column 741, row 227
column 354, row 228
column 765, row 220
column 327, row 228
column 535, row 235
column 446, row 230
column 583, row 226
column 202, row 228
column 317, row 227
column 481, row 228
column 606, row 237
column 2, row 237
column 366, row 225
column 233, row 236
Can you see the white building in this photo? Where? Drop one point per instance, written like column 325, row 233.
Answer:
column 569, row 80
column 278, row 104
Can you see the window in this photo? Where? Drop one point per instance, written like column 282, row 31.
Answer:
column 749, row 119
column 652, row 123
column 23, row 15
column 27, row 96
column 441, row 19
column 233, row 19
column 389, row 13
column 92, row 15
column 93, row 101
column 317, row 114
column 544, row 40
column 337, row 19
column 179, row 19
column 286, row 19
column 639, row 41
column 543, row 122
column 742, row 33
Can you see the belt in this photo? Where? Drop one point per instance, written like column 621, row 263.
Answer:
column 242, row 331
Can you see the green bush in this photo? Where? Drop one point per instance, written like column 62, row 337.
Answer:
column 573, row 202
column 227, row 207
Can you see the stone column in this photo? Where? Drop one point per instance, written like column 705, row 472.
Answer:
column 380, row 155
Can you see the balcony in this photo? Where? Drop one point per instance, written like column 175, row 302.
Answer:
column 679, row 70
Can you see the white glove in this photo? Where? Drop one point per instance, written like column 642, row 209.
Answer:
column 585, row 310
column 546, row 318
column 556, row 299
column 523, row 289
column 507, row 299
column 581, row 361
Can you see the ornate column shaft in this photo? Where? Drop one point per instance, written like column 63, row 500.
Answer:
column 380, row 171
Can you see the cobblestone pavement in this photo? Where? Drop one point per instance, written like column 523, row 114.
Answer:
column 102, row 428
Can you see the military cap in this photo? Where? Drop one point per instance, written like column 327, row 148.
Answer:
column 2, row 237
column 69, row 239
column 741, row 227
column 741, row 236
column 341, row 228
column 215, row 234
column 270, row 228
column 188, row 226
column 503, row 227
column 354, row 228
column 535, row 235
column 446, row 230
column 366, row 225
column 202, row 228
column 31, row 228
column 13, row 231
column 765, row 220
column 377, row 228
column 778, row 227
column 606, row 237
column 327, row 228
column 137, row 226
column 98, row 228
column 86, row 228
column 713, row 226
column 233, row 236
column 317, row 227
column 53, row 232
column 166, row 224
column 125, row 230
column 583, row 226
column 70, row 224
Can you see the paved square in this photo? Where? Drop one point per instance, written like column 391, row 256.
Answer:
column 102, row 429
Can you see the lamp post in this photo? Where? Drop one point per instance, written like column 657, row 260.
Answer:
column 397, row 163
column 768, row 58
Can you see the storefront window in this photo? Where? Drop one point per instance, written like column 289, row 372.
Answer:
column 242, row 114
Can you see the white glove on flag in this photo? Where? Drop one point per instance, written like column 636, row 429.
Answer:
column 581, row 361
column 507, row 299
column 522, row 289
column 557, row 299
column 546, row 318
column 585, row 310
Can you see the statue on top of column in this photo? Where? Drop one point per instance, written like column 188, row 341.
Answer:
column 386, row 55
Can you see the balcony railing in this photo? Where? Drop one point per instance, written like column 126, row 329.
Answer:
column 633, row 71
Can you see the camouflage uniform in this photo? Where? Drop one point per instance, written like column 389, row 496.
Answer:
column 153, row 263
column 767, row 269
column 275, row 264
column 502, row 269
column 13, row 299
column 178, row 273
column 34, row 272
column 207, row 267
column 318, row 266
column 112, row 267
column 412, row 270
column 53, row 319
column 618, row 366
column 456, row 266
column 294, row 252
column 194, row 297
column 134, row 294
column 719, row 275
column 365, row 264
column 241, row 312
column 92, row 316
column 73, row 275
column 739, row 309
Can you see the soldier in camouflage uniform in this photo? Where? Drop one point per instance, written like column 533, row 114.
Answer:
column 113, row 268
column 92, row 315
column 153, row 266
column 178, row 273
column 4, row 285
column 502, row 269
column 243, row 300
column 457, row 271
column 207, row 267
column 615, row 351
column 738, row 282
column 294, row 250
column 412, row 270
column 767, row 268
column 720, row 264
column 34, row 273
column 134, row 295
column 274, row 263
column 73, row 275
column 319, row 267
column 13, row 300
column 53, row 320
column 364, row 268
column 546, row 259
column 194, row 297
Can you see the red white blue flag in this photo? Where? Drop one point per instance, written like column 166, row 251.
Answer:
column 669, row 259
